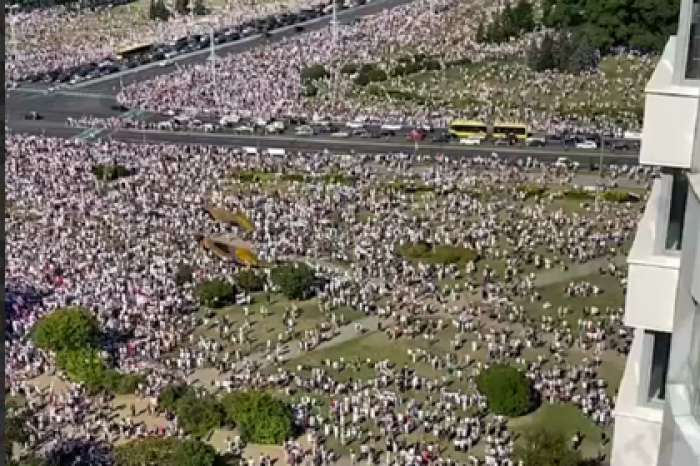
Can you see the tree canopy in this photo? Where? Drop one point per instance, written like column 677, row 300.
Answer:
column 640, row 24
column 155, row 451
column 250, row 280
column 259, row 417
column 215, row 293
column 295, row 281
column 508, row 391
column 543, row 447
column 69, row 328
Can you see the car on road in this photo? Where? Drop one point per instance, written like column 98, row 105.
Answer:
column 354, row 124
column 470, row 141
column 33, row 116
column 586, row 145
column 340, row 134
column 415, row 135
column 441, row 138
column 304, row 130
column 535, row 142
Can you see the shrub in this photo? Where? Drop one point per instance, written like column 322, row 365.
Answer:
column 507, row 390
column 110, row 172
column 578, row 195
column 214, row 293
column 83, row 366
column 121, row 384
column 432, row 65
column 69, row 328
column 198, row 415
column 250, row 280
column 314, row 73
column 377, row 75
column 361, row 80
column 184, row 274
column 619, row 196
column 171, row 394
column 349, row 68
column 259, row 417
column 543, row 447
column 294, row 280
column 310, row 90
column 532, row 191
column 156, row 451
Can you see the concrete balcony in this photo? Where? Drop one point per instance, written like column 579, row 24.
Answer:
column 638, row 427
column 653, row 272
column 671, row 118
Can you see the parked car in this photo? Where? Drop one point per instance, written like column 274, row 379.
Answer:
column 304, row 130
column 340, row 134
column 415, row 135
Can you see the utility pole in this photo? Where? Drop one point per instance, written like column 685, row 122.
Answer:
column 212, row 57
column 334, row 32
column 13, row 33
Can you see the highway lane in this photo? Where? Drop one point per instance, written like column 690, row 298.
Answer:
column 110, row 84
column 337, row 146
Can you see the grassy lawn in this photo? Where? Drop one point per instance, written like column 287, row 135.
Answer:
column 566, row 419
column 261, row 328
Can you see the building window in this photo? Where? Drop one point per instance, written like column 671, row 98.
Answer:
column 676, row 217
column 661, row 347
column 692, row 70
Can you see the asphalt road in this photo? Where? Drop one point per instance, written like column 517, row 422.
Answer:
column 53, row 129
column 110, row 84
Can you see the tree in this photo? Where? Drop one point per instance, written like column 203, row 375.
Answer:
column 361, row 80
column 215, row 293
column 121, row 384
column 195, row 453
column 507, row 390
column 184, row 274
column 15, row 429
column 480, row 36
column 562, row 48
column 171, row 394
column 259, row 417
column 182, row 7
column 83, row 366
column 199, row 8
column 294, row 281
column 68, row 328
column 198, row 415
column 314, row 73
column 250, row 280
column 546, row 59
column 544, row 447
column 156, row 451
column 584, row 55
column 111, row 171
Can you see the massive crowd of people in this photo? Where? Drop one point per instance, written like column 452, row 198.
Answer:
column 114, row 248
column 45, row 40
column 267, row 81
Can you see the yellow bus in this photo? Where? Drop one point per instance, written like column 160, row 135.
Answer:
column 508, row 130
column 468, row 129
column 127, row 53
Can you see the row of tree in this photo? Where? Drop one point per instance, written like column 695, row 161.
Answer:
column 564, row 51
column 295, row 281
column 509, row 23
column 158, row 10
column 643, row 25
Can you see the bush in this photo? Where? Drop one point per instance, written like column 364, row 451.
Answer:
column 294, row 281
column 362, row 80
column 83, row 366
column 507, row 390
column 377, row 75
column 619, row 197
column 250, row 280
column 184, row 274
column 579, row 195
column 349, row 68
column 310, row 90
column 532, row 191
column 69, row 328
column 543, row 447
column 198, row 415
column 260, row 417
column 155, row 451
column 215, row 293
column 171, row 394
column 110, row 172
column 121, row 384
column 314, row 73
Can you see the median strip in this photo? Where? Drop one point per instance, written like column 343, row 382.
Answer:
column 88, row 134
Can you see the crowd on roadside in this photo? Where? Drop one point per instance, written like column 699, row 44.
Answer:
column 115, row 248
column 60, row 38
column 266, row 81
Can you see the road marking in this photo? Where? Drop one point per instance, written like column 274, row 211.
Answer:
column 46, row 93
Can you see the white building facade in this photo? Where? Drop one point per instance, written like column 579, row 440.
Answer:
column 657, row 415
